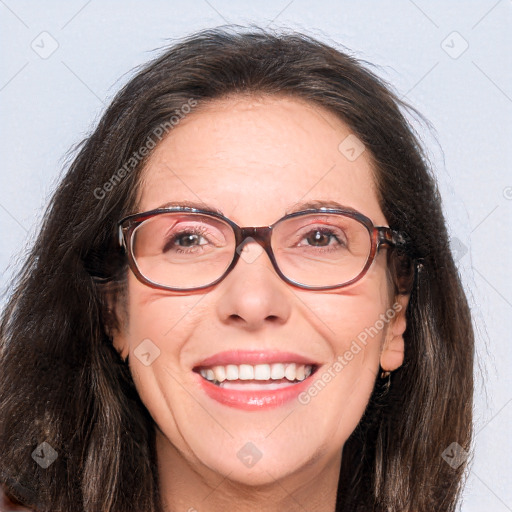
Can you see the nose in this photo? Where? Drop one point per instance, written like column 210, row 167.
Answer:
column 253, row 295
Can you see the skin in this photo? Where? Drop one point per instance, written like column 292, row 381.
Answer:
column 254, row 158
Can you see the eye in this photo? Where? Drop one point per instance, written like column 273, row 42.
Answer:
column 328, row 237
column 321, row 237
column 187, row 238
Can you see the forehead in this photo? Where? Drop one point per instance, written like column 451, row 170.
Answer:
column 255, row 158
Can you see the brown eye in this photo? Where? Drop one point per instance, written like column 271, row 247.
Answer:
column 192, row 238
column 321, row 238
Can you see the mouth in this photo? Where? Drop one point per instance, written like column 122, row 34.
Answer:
column 260, row 376
column 254, row 380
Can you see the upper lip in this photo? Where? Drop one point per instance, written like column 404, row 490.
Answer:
column 253, row 357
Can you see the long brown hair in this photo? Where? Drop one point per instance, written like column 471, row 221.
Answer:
column 61, row 380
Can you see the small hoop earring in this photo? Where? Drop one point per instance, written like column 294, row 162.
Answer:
column 385, row 378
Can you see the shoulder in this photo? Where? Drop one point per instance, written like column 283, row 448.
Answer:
column 6, row 505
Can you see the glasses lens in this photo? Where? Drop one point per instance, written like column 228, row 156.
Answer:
column 183, row 250
column 321, row 249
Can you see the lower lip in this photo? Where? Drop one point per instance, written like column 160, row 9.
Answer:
column 255, row 399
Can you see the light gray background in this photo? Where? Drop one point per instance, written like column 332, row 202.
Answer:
column 49, row 101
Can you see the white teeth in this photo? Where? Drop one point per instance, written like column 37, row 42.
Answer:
column 262, row 372
column 220, row 373
column 231, row 372
column 277, row 371
column 245, row 372
column 289, row 372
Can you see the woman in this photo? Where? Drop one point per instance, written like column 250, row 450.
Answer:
column 161, row 353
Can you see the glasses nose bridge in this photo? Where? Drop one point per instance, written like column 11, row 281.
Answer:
column 261, row 235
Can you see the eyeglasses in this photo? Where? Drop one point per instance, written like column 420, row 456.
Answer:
column 186, row 249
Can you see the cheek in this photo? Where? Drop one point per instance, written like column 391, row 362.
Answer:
column 353, row 328
column 158, row 326
column 353, row 319
column 164, row 318
column 353, row 323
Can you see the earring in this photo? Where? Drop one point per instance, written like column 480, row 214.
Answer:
column 385, row 378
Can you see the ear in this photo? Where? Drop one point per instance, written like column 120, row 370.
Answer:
column 121, row 345
column 119, row 340
column 115, row 321
column 392, row 354
column 119, row 333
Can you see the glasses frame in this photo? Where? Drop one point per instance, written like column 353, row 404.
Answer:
column 379, row 235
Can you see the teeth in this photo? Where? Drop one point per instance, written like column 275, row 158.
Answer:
column 262, row 372
column 231, row 372
column 277, row 371
column 220, row 373
column 289, row 371
column 246, row 372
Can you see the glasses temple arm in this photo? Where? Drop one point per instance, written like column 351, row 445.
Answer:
column 391, row 237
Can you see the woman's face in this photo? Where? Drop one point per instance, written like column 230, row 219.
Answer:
column 254, row 159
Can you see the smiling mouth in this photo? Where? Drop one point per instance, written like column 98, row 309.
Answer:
column 254, row 377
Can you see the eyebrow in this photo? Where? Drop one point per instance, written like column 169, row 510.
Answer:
column 316, row 203
column 294, row 207
column 199, row 205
